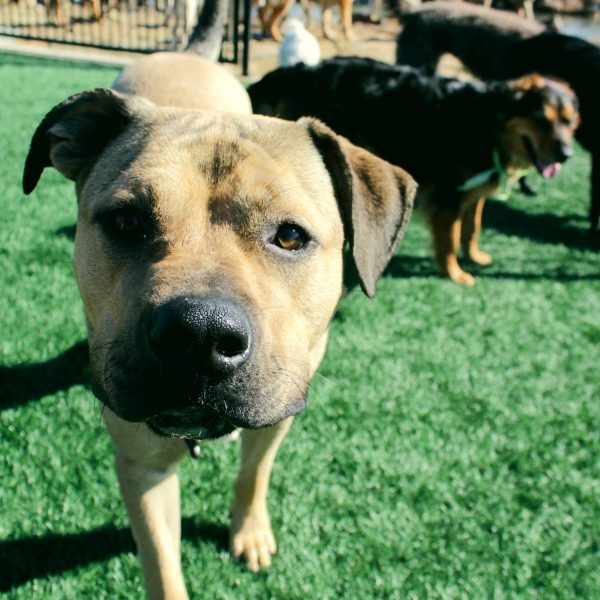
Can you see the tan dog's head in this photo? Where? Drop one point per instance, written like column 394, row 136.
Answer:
column 539, row 131
column 209, row 253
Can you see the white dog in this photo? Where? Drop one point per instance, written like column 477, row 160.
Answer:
column 298, row 45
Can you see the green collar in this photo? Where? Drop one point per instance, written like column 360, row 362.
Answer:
column 498, row 170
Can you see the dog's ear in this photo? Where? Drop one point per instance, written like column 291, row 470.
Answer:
column 375, row 200
column 74, row 133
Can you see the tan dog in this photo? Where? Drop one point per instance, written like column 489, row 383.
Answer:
column 208, row 255
column 272, row 13
column 55, row 9
column 184, row 80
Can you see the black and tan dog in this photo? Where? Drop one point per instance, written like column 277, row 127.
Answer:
column 493, row 45
column 208, row 255
column 461, row 141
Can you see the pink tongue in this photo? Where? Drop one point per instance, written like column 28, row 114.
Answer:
column 551, row 170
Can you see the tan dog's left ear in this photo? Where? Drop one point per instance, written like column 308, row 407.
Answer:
column 375, row 199
column 75, row 132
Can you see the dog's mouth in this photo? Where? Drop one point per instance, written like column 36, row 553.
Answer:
column 193, row 408
column 192, row 423
column 546, row 169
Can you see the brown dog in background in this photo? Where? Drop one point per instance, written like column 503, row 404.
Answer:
column 272, row 13
column 55, row 9
column 208, row 255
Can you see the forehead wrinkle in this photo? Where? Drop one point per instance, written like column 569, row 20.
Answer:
column 221, row 161
column 231, row 205
column 179, row 135
column 177, row 191
column 275, row 176
column 126, row 188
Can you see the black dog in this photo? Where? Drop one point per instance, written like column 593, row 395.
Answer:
column 461, row 141
column 481, row 37
column 494, row 47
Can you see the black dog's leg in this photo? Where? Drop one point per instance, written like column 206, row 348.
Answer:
column 417, row 51
column 595, row 206
column 525, row 187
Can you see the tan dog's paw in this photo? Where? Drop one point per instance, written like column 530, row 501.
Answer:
column 461, row 277
column 480, row 258
column 252, row 539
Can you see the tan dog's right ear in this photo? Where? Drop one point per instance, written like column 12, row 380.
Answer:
column 375, row 199
column 74, row 132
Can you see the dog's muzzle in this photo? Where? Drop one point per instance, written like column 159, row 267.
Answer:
column 197, row 342
column 195, row 368
column 562, row 151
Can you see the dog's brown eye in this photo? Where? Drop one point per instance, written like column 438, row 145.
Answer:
column 290, row 237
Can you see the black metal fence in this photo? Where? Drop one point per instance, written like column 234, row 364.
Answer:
column 139, row 25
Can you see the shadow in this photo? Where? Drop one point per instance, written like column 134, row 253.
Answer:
column 211, row 533
column 407, row 267
column 23, row 383
column 546, row 228
column 67, row 231
column 257, row 37
column 349, row 274
column 500, row 216
column 412, row 266
column 155, row 26
column 399, row 266
column 37, row 557
column 555, row 276
column 85, row 20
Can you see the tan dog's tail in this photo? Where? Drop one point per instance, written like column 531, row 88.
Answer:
column 207, row 36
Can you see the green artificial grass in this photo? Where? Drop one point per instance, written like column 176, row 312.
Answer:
column 450, row 448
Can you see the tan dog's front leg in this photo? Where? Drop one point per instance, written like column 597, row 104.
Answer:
column 279, row 13
column 346, row 14
column 251, row 536
column 147, row 470
column 326, row 14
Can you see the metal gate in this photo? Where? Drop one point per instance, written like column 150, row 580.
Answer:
column 139, row 25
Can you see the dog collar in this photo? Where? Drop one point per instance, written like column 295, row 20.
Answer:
column 498, row 170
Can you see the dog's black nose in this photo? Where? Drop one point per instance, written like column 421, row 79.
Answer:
column 563, row 152
column 207, row 335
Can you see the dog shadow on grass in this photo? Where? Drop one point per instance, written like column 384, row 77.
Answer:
column 36, row 557
column 540, row 228
column 67, row 231
column 20, row 384
column 406, row 267
column 545, row 227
